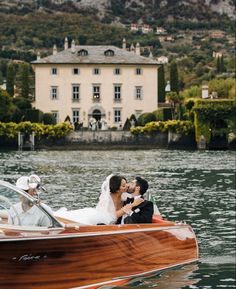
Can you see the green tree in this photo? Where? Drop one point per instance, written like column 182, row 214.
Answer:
column 222, row 87
column 175, row 101
column 22, row 105
column 193, row 91
column 118, row 7
column 161, row 84
column 127, row 124
column 10, row 79
column 231, row 64
column 6, row 108
column 218, row 65
column 145, row 118
column 1, row 77
column 174, row 77
column 48, row 118
column 3, row 67
column 82, row 39
column 24, row 80
column 222, row 65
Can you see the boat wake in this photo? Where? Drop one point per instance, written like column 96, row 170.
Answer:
column 218, row 260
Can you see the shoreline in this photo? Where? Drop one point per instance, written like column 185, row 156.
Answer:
column 119, row 140
column 113, row 147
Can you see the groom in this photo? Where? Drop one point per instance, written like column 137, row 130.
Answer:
column 143, row 212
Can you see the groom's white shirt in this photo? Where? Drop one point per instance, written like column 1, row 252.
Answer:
column 124, row 197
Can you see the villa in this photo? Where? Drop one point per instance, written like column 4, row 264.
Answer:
column 102, row 83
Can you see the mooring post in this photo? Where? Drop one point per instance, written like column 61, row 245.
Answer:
column 32, row 140
column 20, row 141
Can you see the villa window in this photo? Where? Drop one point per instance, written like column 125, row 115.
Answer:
column 54, row 71
column 96, row 93
column 109, row 52
column 117, row 115
column 138, row 92
column 76, row 71
column 54, row 92
column 138, row 71
column 117, row 92
column 117, row 71
column 75, row 92
column 82, row 52
column 75, row 115
column 96, row 71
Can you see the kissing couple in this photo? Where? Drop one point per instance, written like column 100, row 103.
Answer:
column 119, row 203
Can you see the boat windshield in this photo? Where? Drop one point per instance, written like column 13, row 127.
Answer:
column 20, row 209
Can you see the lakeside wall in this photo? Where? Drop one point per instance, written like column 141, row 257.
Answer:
column 122, row 140
column 117, row 140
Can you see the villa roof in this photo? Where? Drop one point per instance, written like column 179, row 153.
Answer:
column 95, row 55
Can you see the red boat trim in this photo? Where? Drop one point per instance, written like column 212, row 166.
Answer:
column 101, row 233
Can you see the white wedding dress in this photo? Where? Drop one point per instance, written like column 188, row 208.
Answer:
column 104, row 213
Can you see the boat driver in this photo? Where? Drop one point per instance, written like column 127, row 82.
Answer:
column 28, row 213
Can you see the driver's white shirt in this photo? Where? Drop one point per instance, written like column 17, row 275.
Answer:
column 33, row 217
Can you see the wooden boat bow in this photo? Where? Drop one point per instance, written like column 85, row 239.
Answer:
column 73, row 256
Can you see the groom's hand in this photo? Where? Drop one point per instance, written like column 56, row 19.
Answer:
column 137, row 202
column 127, row 208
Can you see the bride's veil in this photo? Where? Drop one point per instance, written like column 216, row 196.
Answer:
column 105, row 203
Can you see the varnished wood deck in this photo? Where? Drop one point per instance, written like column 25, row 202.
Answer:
column 91, row 256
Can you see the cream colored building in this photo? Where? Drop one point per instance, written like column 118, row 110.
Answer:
column 105, row 83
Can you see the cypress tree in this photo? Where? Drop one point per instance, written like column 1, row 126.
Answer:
column 161, row 84
column 222, row 65
column 218, row 68
column 24, row 80
column 1, row 77
column 3, row 67
column 10, row 79
column 174, row 77
column 6, row 108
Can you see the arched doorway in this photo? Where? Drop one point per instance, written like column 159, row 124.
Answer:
column 220, row 140
column 97, row 114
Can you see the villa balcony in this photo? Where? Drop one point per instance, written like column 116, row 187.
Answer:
column 96, row 98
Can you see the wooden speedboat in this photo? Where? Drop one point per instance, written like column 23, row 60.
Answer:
column 69, row 255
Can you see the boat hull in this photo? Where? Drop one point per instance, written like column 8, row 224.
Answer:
column 91, row 257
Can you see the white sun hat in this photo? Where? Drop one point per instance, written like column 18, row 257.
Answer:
column 24, row 183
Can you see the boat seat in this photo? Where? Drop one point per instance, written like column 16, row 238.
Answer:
column 157, row 219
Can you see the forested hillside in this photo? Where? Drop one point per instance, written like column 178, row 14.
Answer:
column 195, row 31
column 128, row 10
column 30, row 24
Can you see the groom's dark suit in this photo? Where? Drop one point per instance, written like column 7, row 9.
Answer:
column 141, row 214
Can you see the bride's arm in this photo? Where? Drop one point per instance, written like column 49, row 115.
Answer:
column 124, row 210
column 128, row 208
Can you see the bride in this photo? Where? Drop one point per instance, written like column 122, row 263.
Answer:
column 109, row 208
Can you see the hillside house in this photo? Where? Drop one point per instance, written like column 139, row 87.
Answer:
column 217, row 34
column 162, row 59
column 146, row 29
column 217, row 54
column 160, row 31
column 134, row 27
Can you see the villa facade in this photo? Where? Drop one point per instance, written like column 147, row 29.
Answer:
column 102, row 83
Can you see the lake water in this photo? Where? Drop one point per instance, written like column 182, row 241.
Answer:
column 189, row 186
